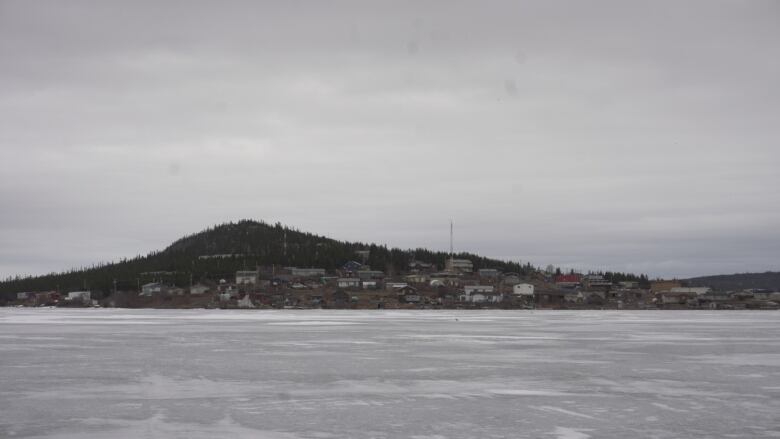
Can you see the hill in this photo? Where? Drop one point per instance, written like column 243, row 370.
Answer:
column 740, row 281
column 218, row 252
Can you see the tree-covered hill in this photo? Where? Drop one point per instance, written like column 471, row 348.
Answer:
column 769, row 280
column 249, row 244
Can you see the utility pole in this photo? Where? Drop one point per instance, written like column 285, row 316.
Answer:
column 114, row 287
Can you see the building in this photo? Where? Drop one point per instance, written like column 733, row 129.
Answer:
column 481, row 296
column 306, row 272
column 471, row 289
column 523, row 290
column 151, row 289
column 511, row 279
column 695, row 290
column 368, row 284
column 664, row 285
column 348, row 282
column 417, row 278
column 351, row 266
column 677, row 297
column 489, row 273
column 79, row 296
column 460, row 265
column 247, row 277
column 595, row 281
column 408, row 294
column 418, row 266
column 568, row 280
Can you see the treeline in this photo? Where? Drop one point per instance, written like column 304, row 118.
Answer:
column 218, row 252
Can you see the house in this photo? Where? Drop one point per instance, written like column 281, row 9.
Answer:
column 488, row 273
column 348, row 282
column 152, row 288
column 511, row 279
column 695, row 290
column 471, row 289
column 677, row 298
column 568, row 280
column 417, row 278
column 764, row 294
column 523, row 290
column 368, row 284
column 23, row 296
column 306, row 272
column 408, row 294
column 459, row 265
column 713, row 299
column 247, row 277
column 629, row 284
column 79, row 296
column 351, row 266
column 664, row 285
column 595, row 281
column 418, row 266
column 481, row 296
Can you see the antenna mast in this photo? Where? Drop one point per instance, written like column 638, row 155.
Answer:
column 452, row 253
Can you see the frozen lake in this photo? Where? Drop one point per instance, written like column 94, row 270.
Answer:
column 96, row 373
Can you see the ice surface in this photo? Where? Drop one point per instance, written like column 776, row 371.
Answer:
column 96, row 373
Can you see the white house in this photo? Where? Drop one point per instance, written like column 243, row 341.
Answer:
column 84, row 296
column 247, row 277
column 482, row 297
column 151, row 289
column 348, row 282
column 471, row 289
column 523, row 290
column 480, row 294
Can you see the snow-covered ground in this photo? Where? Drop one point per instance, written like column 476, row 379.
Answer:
column 98, row 373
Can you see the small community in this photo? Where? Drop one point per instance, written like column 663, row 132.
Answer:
column 422, row 285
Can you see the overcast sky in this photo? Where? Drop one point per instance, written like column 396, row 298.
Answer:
column 632, row 136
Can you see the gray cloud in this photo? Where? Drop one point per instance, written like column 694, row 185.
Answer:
column 615, row 135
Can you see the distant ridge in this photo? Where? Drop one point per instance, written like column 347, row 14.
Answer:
column 219, row 251
column 738, row 281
